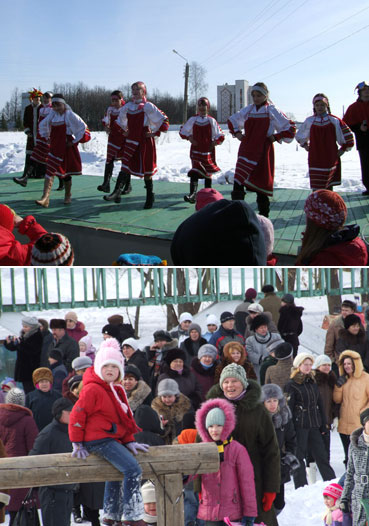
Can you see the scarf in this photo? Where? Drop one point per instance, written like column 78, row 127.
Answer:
column 221, row 444
column 206, row 367
column 30, row 333
column 327, row 515
column 150, row 519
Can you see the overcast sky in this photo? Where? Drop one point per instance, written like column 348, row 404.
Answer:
column 112, row 42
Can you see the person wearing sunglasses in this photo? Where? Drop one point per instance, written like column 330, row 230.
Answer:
column 357, row 117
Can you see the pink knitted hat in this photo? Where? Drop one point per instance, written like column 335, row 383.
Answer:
column 109, row 353
column 206, row 196
column 333, row 490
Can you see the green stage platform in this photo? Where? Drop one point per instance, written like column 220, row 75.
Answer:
column 100, row 231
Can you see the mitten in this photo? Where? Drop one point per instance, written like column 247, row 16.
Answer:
column 79, row 450
column 341, row 380
column 268, row 499
column 135, row 447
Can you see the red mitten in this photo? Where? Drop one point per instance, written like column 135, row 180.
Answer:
column 268, row 499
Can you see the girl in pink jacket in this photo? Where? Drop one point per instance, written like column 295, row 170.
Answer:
column 231, row 491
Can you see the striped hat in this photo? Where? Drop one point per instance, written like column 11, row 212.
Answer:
column 52, row 249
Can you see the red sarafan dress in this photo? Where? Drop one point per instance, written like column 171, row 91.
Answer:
column 41, row 149
column 139, row 152
column 255, row 163
column 116, row 138
column 204, row 130
column 321, row 133
column 62, row 160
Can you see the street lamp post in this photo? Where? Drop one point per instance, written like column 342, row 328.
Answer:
column 187, row 74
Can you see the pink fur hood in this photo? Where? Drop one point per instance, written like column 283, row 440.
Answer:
column 230, row 418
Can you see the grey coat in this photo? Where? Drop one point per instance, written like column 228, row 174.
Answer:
column 256, row 347
column 357, row 487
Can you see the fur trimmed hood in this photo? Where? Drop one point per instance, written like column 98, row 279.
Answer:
column 325, row 379
column 355, row 436
column 230, row 418
column 359, row 368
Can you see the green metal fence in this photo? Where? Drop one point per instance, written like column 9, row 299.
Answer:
column 47, row 288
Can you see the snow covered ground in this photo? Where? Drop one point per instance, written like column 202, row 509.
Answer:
column 173, row 160
column 303, row 506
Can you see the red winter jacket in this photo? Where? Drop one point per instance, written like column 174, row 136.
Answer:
column 351, row 252
column 98, row 414
column 12, row 252
column 78, row 332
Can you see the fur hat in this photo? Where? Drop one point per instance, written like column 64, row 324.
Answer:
column 326, row 209
column 288, row 298
column 258, row 321
column 52, row 249
column 301, row 357
column 112, row 330
column 133, row 370
column 60, row 405
column 131, row 342
column 268, row 230
column 56, row 354
column 364, row 416
column 74, row 381
column 194, row 327
column 16, row 396
column 269, row 391
column 42, row 373
column 215, row 417
column 207, row 350
column 185, row 316
column 283, row 350
column 71, row 316
column 109, row 353
column 30, row 321
column 81, row 362
column 250, row 294
column 211, row 319
column 175, row 354
column 148, row 492
column 233, row 370
column 6, row 217
column 162, row 335
column 321, row 360
column 115, row 319
column 226, row 316
column 206, row 196
column 168, row 387
column 255, row 307
column 229, row 412
column 333, row 490
column 58, row 323
column 351, row 319
column 267, row 289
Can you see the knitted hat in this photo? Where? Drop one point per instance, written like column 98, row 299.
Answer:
column 8, row 383
column 16, row 396
column 57, row 323
column 60, row 405
column 185, row 316
column 74, row 381
column 81, row 362
column 42, row 373
column 255, row 307
column 267, row 288
column 162, row 335
column 233, row 370
column 131, row 342
column 168, row 387
column 272, row 345
column 56, row 354
column 258, row 321
column 206, row 196
column 207, row 350
column 52, row 249
column 364, row 416
column 288, row 298
column 133, row 370
column 71, row 316
column 109, row 353
column 30, row 321
column 326, row 209
column 112, row 330
column 116, row 319
column 211, row 319
column 226, row 316
column 250, row 294
column 148, row 492
column 301, row 357
column 321, row 360
column 283, row 350
column 333, row 490
column 6, row 217
column 269, row 391
column 268, row 230
column 194, row 327
column 215, row 417
column 175, row 354
column 351, row 319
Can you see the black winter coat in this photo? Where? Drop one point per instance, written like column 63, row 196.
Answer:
column 148, row 420
column 347, row 341
column 286, row 436
column 28, row 355
column 187, row 384
column 40, row 404
column 139, row 359
column 47, row 339
column 68, row 347
column 305, row 402
column 191, row 348
column 290, row 324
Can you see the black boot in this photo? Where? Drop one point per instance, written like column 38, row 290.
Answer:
column 61, row 185
column 263, row 204
column 21, row 180
column 115, row 195
column 191, row 197
column 27, row 172
column 127, row 187
column 77, row 515
column 150, row 196
column 238, row 193
column 207, row 182
column 105, row 187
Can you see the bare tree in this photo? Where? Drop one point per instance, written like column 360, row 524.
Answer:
column 198, row 85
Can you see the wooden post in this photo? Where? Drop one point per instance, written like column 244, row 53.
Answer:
column 169, row 500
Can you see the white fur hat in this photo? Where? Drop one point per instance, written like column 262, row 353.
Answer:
column 185, row 316
column 301, row 357
column 211, row 319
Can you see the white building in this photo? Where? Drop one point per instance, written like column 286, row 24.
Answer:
column 231, row 98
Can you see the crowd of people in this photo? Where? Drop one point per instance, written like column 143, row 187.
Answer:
column 241, row 382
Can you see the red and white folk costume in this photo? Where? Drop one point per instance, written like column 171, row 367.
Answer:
column 116, row 138
column 255, row 163
column 41, row 149
column 321, row 133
